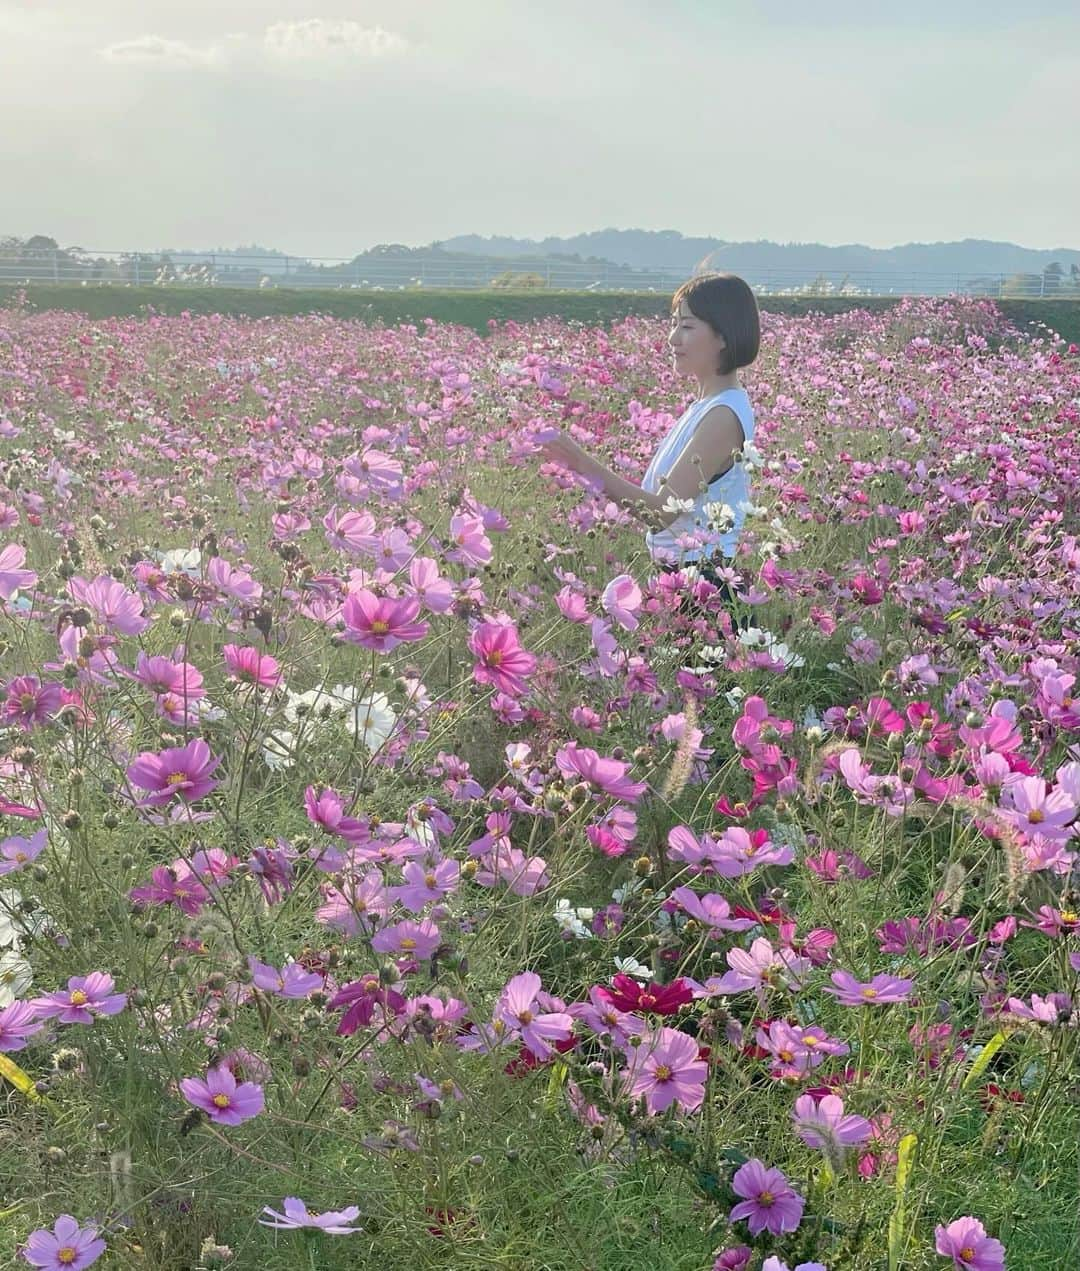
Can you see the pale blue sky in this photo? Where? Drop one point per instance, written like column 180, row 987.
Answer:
column 323, row 128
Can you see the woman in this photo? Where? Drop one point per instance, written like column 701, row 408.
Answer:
column 694, row 480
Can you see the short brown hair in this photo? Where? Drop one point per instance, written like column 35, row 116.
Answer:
column 727, row 304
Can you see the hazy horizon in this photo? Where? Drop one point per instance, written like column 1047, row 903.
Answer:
column 323, row 129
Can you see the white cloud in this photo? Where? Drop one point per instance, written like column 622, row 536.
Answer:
column 315, row 42
column 321, row 38
column 155, row 50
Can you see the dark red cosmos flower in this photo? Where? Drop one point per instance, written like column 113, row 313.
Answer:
column 525, row 1060
column 626, row 994
column 993, row 1096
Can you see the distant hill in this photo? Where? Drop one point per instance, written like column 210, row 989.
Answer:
column 668, row 249
column 631, row 260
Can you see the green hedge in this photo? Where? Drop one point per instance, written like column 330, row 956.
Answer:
column 466, row 308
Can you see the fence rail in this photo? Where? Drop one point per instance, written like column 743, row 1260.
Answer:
column 404, row 273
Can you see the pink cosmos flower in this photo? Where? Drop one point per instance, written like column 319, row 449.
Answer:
column 292, row 981
column 607, row 776
column 622, row 599
column 68, row 1247
column 296, row 1216
column 18, row 1021
column 409, row 939
column 433, row 591
column 381, row 623
column 500, row 659
column 85, row 997
column 471, row 546
column 354, row 909
column 519, row 1011
column 880, row 991
column 667, row 1068
column 823, row 1125
column 1038, row 810
column 12, row 575
column 182, row 772
column 162, row 675
column 235, row 583
column 110, row 603
column 712, row 909
column 797, row 1050
column 221, row 1098
column 971, row 1249
column 172, row 885
column 249, row 666
column 769, row 1203
column 16, row 852
column 30, row 702
column 761, row 968
column 425, row 883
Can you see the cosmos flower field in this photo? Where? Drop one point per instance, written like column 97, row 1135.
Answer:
column 397, row 869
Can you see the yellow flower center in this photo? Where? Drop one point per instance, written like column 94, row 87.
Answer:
column 766, row 1199
column 408, row 942
column 663, row 1072
column 495, row 657
column 380, row 626
column 869, row 992
column 525, row 1017
column 22, row 858
column 1067, row 915
column 809, row 1041
column 967, row 1253
column 28, row 701
column 220, row 1101
column 1035, row 816
column 79, row 998
column 175, row 778
column 66, row 1255
column 429, row 880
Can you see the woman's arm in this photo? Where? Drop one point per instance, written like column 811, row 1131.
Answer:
column 647, row 507
column 709, row 453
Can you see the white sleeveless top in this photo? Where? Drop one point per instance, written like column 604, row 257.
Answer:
column 733, row 488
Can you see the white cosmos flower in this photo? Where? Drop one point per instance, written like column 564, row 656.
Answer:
column 15, row 977
column 572, row 920
column 279, row 749
column 182, row 560
column 631, row 966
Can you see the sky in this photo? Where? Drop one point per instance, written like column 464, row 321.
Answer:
column 325, row 128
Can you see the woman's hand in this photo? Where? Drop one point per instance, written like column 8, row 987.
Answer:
column 563, row 449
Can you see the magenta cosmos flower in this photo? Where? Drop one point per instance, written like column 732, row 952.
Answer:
column 769, row 1203
column 221, row 1098
column 296, row 1215
column 381, row 623
column 18, row 1021
column 85, row 997
column 30, row 702
column 408, row 939
column 500, row 659
column 249, row 666
column 68, row 1247
column 879, row 991
column 667, row 1069
column 183, row 772
column 966, row 1242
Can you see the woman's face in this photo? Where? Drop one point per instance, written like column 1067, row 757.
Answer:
column 695, row 346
